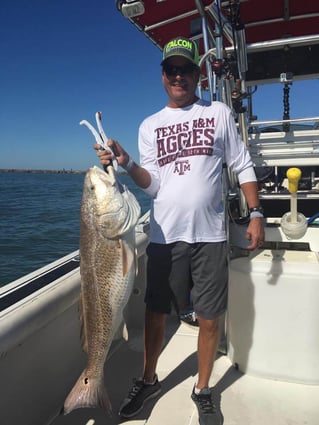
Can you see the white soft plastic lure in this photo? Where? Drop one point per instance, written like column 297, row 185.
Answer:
column 100, row 136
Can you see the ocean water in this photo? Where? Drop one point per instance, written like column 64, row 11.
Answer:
column 40, row 219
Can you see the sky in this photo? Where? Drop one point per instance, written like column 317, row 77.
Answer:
column 63, row 60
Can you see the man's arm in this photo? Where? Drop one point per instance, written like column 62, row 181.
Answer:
column 255, row 230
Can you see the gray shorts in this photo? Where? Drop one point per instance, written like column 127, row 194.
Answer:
column 180, row 272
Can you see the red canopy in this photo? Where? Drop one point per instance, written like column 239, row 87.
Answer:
column 263, row 20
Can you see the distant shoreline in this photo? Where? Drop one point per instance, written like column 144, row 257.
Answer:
column 31, row 171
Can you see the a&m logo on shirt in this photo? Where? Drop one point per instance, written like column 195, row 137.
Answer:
column 181, row 166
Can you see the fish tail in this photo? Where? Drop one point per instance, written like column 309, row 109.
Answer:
column 87, row 392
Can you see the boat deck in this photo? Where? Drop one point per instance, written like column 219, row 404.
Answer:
column 242, row 399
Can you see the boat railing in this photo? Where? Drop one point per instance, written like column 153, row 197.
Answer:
column 143, row 223
column 284, row 148
column 284, row 121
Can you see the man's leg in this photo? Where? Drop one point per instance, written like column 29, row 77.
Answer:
column 208, row 339
column 147, row 387
column 154, row 333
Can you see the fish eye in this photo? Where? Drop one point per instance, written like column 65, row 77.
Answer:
column 92, row 187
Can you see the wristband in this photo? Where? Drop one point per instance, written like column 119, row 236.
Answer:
column 256, row 214
column 129, row 165
column 258, row 209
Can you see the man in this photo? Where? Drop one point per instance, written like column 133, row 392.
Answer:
column 182, row 149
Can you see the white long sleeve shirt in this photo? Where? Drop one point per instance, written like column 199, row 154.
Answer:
column 184, row 149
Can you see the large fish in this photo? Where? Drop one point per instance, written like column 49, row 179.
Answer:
column 109, row 213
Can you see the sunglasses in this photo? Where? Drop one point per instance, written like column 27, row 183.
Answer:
column 172, row 71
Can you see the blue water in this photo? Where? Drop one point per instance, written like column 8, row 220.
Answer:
column 40, row 219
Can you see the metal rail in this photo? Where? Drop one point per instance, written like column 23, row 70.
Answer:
column 291, row 121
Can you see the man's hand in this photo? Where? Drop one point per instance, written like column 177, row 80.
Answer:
column 106, row 156
column 255, row 233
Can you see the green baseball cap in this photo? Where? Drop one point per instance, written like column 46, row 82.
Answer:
column 181, row 46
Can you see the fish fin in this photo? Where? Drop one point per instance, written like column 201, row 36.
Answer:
column 87, row 392
column 83, row 338
column 127, row 257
